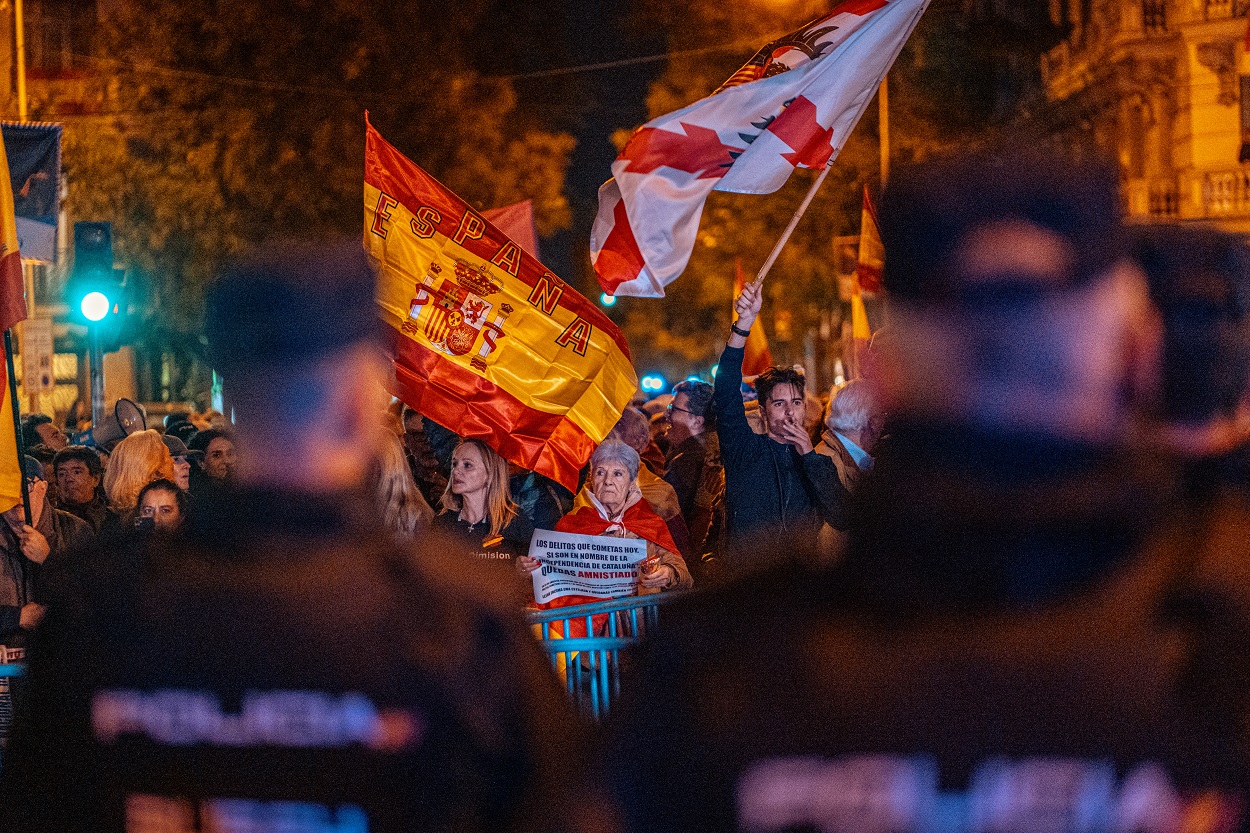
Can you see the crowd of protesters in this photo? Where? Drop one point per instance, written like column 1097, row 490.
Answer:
column 1002, row 582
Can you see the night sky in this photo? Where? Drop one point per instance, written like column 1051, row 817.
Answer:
column 542, row 35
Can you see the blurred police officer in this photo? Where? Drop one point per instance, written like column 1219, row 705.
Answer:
column 1004, row 646
column 284, row 665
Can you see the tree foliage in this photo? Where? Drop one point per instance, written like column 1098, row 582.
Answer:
column 223, row 124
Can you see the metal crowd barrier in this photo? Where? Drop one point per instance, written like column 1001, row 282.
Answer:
column 590, row 666
column 8, row 671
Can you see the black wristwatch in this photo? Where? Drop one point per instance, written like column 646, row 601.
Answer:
column 744, row 333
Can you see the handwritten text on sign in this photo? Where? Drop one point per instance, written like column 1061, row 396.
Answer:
column 585, row 565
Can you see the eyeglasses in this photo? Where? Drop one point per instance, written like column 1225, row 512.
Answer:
column 683, row 410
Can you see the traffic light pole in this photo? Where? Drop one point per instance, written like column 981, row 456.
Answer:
column 96, row 360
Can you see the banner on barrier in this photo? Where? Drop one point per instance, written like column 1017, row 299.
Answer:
column 585, row 565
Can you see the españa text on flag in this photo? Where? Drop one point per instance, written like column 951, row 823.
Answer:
column 486, row 341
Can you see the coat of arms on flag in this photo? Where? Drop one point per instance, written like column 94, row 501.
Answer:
column 455, row 310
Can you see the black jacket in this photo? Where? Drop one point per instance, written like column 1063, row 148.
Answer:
column 287, row 656
column 1018, row 629
column 769, row 485
column 23, row 578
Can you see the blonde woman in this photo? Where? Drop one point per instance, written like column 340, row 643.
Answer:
column 404, row 511
column 477, row 507
column 135, row 462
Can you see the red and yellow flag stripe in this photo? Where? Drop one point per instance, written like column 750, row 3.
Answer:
column 12, row 310
column 486, row 340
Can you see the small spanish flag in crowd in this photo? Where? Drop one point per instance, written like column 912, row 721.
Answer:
column 487, row 341
column 868, row 273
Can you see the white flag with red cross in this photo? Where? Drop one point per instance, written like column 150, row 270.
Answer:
column 792, row 105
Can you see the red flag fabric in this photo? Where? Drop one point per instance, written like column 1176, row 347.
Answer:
column 868, row 270
column 793, row 105
column 485, row 340
column 517, row 222
column 756, row 357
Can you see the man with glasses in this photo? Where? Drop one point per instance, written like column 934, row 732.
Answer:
column 693, row 467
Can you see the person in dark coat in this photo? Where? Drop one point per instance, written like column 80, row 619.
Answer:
column 1013, row 640
column 79, row 473
column 282, row 662
column 25, row 548
column 775, row 483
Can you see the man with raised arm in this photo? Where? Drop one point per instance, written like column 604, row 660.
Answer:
column 775, row 483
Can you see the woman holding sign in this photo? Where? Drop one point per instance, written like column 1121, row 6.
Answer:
column 616, row 508
column 477, row 508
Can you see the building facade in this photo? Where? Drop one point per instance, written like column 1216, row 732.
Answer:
column 1164, row 86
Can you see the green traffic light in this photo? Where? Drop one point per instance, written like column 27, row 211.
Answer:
column 95, row 305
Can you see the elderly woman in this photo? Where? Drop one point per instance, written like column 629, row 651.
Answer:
column 616, row 508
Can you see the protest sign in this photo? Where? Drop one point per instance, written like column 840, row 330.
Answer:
column 585, row 565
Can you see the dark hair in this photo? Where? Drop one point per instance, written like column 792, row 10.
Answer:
column 774, row 376
column 289, row 305
column 81, row 453
column 698, row 397
column 30, row 428
column 1200, row 283
column 164, row 485
column 41, row 453
column 202, row 439
column 183, row 431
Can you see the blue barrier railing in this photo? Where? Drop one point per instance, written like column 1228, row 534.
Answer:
column 590, row 664
column 7, row 672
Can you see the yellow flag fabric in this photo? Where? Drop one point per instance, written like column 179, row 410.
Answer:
column 12, row 310
column 871, row 249
column 868, row 274
column 487, row 341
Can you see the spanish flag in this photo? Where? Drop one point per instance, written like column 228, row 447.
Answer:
column 12, row 310
column 485, row 339
column 867, row 279
column 871, row 250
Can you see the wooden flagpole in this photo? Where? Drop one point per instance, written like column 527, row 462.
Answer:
column 883, row 111
column 794, row 221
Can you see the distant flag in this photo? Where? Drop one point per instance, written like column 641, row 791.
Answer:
column 757, row 357
column 34, row 152
column 516, row 221
column 12, row 310
column 485, row 340
column 871, row 250
column 868, row 273
column 793, row 105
